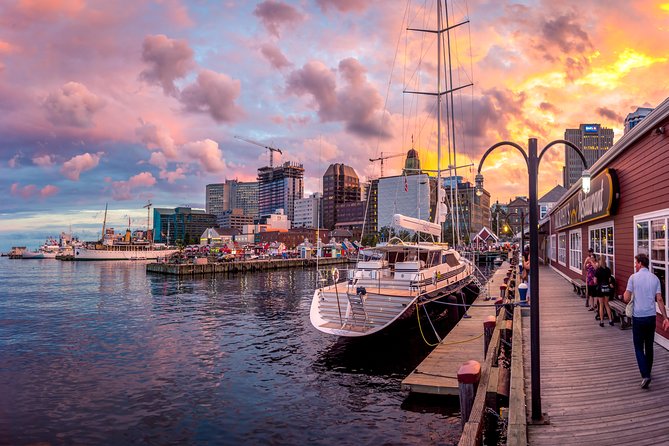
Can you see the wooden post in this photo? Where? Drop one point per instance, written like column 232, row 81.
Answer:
column 488, row 329
column 498, row 305
column 469, row 375
column 502, row 291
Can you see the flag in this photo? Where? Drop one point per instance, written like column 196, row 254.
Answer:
column 406, row 183
column 343, row 246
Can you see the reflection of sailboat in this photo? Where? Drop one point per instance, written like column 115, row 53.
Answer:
column 392, row 281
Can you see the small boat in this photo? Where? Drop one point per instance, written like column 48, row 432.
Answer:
column 48, row 250
column 388, row 283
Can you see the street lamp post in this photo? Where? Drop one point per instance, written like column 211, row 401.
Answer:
column 532, row 162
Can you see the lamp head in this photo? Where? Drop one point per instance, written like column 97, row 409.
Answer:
column 585, row 181
column 479, row 184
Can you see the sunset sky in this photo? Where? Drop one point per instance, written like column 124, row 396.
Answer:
column 125, row 101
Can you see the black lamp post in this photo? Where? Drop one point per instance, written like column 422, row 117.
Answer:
column 532, row 161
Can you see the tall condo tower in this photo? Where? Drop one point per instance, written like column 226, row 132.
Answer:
column 594, row 140
column 340, row 185
column 279, row 187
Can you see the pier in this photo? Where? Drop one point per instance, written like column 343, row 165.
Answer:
column 194, row 269
column 589, row 377
column 437, row 374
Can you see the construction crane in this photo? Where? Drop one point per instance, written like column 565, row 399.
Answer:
column 382, row 158
column 270, row 148
column 148, row 219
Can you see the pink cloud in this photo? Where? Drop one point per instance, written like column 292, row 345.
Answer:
column 274, row 15
column 207, row 153
column 14, row 161
column 213, row 93
column 122, row 190
column 168, row 60
column 43, row 160
column 48, row 190
column 47, row 8
column 73, row 167
column 171, row 177
column 357, row 103
column 158, row 159
column 274, row 55
column 156, row 137
column 343, row 5
column 23, row 192
column 73, row 105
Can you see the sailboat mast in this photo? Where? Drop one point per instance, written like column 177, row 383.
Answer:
column 104, row 224
column 438, row 103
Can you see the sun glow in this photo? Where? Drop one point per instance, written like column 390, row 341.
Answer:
column 609, row 76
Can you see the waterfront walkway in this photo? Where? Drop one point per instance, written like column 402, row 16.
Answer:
column 589, row 377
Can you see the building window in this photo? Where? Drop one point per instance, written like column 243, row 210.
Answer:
column 553, row 248
column 543, row 210
column 601, row 242
column 562, row 249
column 575, row 255
column 651, row 239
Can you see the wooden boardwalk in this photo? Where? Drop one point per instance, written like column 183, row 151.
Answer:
column 438, row 373
column 589, row 377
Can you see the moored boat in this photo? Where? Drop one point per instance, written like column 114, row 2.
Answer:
column 119, row 251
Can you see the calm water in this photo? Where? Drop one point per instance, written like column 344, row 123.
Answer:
column 101, row 353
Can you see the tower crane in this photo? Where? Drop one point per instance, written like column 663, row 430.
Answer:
column 270, row 148
column 382, row 158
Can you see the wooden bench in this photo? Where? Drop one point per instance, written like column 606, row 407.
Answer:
column 579, row 286
column 618, row 307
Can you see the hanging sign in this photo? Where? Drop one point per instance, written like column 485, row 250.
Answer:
column 601, row 201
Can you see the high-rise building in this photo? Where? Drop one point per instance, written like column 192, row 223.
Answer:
column 278, row 188
column 233, row 194
column 181, row 224
column 593, row 140
column 471, row 212
column 307, row 211
column 340, row 185
column 635, row 117
column 234, row 218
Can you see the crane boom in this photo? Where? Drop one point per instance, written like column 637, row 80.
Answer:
column 382, row 158
column 265, row 146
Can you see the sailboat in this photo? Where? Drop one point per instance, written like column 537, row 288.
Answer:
column 393, row 280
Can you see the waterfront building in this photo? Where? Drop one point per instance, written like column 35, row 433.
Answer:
column 625, row 213
column 294, row 237
column 473, row 211
column 307, row 211
column 340, row 185
column 547, row 202
column 635, row 117
column 278, row 188
column 351, row 216
column 594, row 140
column 234, row 218
column 498, row 213
column 233, row 194
column 182, row 224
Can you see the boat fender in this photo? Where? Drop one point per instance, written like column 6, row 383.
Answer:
column 361, row 291
column 335, row 274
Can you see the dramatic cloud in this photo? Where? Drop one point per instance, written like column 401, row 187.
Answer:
column 24, row 192
column 122, row 190
column 80, row 163
column 275, row 57
column 343, row 5
column 566, row 34
column 158, row 159
column 215, row 94
column 274, row 15
column 48, row 191
column 207, row 153
column 43, row 161
column 156, row 138
column 357, row 103
column 168, row 60
column 610, row 114
column 171, row 177
column 73, row 105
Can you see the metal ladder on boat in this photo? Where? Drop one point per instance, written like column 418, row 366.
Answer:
column 483, row 290
column 357, row 307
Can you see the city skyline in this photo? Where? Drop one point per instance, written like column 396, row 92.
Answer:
column 122, row 104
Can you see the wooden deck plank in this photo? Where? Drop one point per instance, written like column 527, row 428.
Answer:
column 589, row 377
column 437, row 374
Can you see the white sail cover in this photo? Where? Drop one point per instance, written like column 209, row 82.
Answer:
column 415, row 224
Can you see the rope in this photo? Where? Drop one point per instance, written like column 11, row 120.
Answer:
column 420, row 328
column 462, row 342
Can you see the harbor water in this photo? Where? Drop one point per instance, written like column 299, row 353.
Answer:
column 102, row 353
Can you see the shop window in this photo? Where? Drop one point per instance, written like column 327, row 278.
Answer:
column 575, row 255
column 553, row 248
column 651, row 239
column 601, row 242
column 562, row 249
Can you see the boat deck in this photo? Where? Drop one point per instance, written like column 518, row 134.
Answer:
column 437, row 374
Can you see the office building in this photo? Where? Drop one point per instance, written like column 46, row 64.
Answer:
column 635, row 117
column 182, row 224
column 278, row 188
column 234, row 218
column 470, row 211
column 233, row 194
column 307, row 211
column 594, row 140
column 340, row 185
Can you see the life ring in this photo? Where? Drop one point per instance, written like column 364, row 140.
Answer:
column 335, row 274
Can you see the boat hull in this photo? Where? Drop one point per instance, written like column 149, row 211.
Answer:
column 38, row 255
column 130, row 254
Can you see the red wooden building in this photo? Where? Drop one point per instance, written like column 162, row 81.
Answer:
column 626, row 211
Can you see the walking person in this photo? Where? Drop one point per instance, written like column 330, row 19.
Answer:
column 645, row 287
column 589, row 267
column 604, row 291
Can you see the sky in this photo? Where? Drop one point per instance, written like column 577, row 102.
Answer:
column 124, row 102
